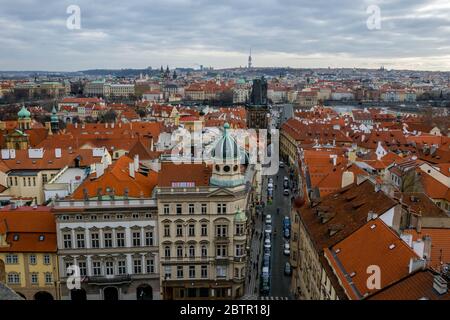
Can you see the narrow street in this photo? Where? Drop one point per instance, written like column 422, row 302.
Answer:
column 280, row 283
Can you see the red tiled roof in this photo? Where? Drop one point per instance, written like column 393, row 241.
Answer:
column 171, row 173
column 29, row 223
column 374, row 244
column 414, row 287
column 117, row 178
column 440, row 245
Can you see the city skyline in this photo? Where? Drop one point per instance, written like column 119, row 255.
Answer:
column 411, row 35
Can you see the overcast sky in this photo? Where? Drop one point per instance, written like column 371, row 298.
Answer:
column 414, row 34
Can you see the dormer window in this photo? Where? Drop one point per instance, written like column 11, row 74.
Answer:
column 41, row 237
column 16, row 237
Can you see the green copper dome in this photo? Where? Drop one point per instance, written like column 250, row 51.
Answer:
column 24, row 113
column 226, row 147
column 54, row 117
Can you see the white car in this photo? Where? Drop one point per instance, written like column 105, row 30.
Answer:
column 267, row 244
column 287, row 249
column 268, row 219
column 268, row 229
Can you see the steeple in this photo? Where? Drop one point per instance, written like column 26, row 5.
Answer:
column 54, row 121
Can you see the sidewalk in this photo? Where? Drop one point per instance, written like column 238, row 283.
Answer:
column 256, row 251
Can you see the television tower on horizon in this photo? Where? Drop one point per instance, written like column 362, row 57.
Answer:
column 250, row 59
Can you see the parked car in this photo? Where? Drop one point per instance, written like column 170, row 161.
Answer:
column 287, row 249
column 287, row 233
column 286, row 192
column 268, row 219
column 270, row 180
column 267, row 244
column 287, row 269
column 286, row 222
column 265, row 285
column 266, row 261
column 268, row 228
column 281, row 164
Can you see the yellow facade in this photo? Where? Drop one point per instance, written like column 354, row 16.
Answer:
column 45, row 269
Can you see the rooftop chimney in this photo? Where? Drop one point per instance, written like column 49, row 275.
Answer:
column 440, row 285
column 132, row 173
column 99, row 170
column 416, row 264
column 371, row 216
column 136, row 163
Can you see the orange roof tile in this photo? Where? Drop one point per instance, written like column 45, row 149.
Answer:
column 373, row 244
column 414, row 287
column 29, row 224
column 117, row 178
column 173, row 173
column 440, row 245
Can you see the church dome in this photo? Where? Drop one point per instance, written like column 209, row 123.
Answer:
column 24, row 113
column 226, row 147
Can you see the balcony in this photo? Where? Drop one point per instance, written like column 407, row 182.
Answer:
column 101, row 280
column 221, row 238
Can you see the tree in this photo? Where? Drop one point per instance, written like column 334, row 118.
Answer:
column 109, row 116
column 141, row 113
column 410, row 181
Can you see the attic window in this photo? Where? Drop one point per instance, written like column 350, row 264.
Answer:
column 373, row 226
column 41, row 237
column 352, row 274
column 337, row 251
column 16, row 237
column 392, row 246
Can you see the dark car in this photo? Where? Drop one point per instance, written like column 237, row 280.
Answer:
column 287, row 233
column 286, row 222
column 266, row 261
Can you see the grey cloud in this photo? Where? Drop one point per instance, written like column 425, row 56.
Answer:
column 139, row 33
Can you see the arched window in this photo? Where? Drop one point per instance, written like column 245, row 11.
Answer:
column 191, row 251
column 180, row 252
column 167, row 251
column 204, row 251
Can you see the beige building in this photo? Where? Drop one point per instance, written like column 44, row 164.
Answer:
column 203, row 222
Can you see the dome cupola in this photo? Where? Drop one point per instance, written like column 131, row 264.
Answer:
column 226, row 148
column 24, row 113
